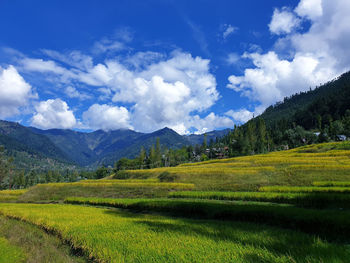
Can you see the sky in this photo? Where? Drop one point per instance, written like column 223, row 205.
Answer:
column 193, row 66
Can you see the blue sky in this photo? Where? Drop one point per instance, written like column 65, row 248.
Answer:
column 193, row 66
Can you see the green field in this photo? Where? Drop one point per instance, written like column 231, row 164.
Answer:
column 10, row 253
column 298, row 167
column 290, row 206
column 108, row 235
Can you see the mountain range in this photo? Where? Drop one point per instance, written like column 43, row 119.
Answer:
column 86, row 149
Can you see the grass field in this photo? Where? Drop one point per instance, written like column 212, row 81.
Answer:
column 116, row 236
column 290, row 206
column 333, row 225
column 37, row 245
column 298, row 167
column 11, row 195
column 10, row 253
column 313, row 200
column 102, row 188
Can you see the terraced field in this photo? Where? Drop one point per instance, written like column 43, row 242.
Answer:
column 298, row 167
column 290, row 206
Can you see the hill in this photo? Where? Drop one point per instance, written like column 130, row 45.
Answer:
column 31, row 151
column 31, row 146
column 327, row 102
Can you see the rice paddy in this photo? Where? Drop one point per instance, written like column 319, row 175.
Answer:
column 298, row 167
column 11, row 195
column 290, row 206
column 108, row 235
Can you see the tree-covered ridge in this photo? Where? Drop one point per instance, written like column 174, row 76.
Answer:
column 318, row 115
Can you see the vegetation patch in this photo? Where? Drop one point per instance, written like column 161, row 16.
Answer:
column 300, row 166
column 314, row 200
column 34, row 244
column 305, row 189
column 11, row 195
column 328, row 224
column 10, row 253
column 109, row 235
column 102, row 188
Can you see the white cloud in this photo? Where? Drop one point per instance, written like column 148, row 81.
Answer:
column 232, row 58
column 209, row 123
column 74, row 58
column 107, row 117
column 72, row 92
column 53, row 114
column 317, row 56
column 40, row 65
column 241, row 116
column 15, row 92
column 159, row 91
column 283, row 22
column 311, row 9
column 228, row 30
column 107, row 45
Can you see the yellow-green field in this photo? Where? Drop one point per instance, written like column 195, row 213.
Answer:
column 298, row 167
column 11, row 195
column 296, row 203
column 108, row 235
column 10, row 253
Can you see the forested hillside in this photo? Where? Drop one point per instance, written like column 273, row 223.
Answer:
column 319, row 115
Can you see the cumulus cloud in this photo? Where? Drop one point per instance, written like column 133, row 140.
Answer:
column 283, row 22
column 311, row 9
column 209, row 123
column 163, row 93
column 158, row 90
column 53, row 114
column 15, row 92
column 107, row 117
column 317, row 55
column 241, row 116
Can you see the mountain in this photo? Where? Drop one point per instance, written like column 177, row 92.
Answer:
column 31, row 150
column 330, row 100
column 314, row 116
column 89, row 148
column 212, row 135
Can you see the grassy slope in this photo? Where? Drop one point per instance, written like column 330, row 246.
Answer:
column 101, row 188
column 313, row 200
column 330, row 224
column 110, row 235
column 13, row 254
column 31, row 241
column 300, row 166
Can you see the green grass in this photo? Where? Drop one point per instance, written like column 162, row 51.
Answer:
column 35, row 243
column 313, row 200
column 330, row 224
column 297, row 167
column 101, row 188
column 11, row 195
column 305, row 189
column 10, row 253
column 111, row 235
column 331, row 183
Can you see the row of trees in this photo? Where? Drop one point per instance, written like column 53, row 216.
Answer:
column 161, row 156
column 12, row 178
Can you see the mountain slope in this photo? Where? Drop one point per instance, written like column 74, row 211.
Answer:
column 17, row 137
column 329, row 100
